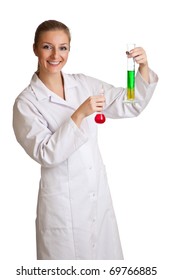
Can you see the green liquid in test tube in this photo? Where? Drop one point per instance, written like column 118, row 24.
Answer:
column 130, row 75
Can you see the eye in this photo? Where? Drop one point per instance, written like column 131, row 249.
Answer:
column 63, row 48
column 47, row 47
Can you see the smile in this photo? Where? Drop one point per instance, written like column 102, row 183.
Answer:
column 54, row 62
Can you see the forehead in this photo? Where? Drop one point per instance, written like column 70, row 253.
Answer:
column 54, row 37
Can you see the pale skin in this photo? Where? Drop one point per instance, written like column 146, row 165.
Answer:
column 52, row 51
column 140, row 58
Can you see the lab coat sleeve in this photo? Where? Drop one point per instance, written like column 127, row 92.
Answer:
column 32, row 132
column 116, row 108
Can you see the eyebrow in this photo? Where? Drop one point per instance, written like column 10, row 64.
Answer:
column 52, row 44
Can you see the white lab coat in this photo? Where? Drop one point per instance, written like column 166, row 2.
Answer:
column 75, row 216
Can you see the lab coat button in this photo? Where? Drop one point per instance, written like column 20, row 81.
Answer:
column 90, row 168
column 93, row 196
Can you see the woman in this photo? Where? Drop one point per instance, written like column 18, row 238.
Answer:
column 54, row 122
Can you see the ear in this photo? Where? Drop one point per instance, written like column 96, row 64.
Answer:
column 35, row 50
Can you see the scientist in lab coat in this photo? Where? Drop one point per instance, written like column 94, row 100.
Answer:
column 53, row 121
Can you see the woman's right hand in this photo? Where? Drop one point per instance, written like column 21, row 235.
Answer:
column 91, row 105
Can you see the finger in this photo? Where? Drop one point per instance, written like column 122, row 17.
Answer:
column 140, row 59
column 101, row 101
column 130, row 52
column 137, row 51
column 100, row 104
column 139, row 55
column 101, row 97
column 96, row 103
column 99, row 110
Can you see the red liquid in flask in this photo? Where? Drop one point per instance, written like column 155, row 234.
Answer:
column 100, row 118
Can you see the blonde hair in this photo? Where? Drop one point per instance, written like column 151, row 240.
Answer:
column 50, row 25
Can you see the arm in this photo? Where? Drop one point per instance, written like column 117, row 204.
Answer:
column 44, row 146
column 116, row 108
column 146, row 81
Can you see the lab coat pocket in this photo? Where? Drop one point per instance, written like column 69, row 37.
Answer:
column 52, row 212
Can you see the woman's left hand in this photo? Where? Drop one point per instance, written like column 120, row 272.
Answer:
column 139, row 56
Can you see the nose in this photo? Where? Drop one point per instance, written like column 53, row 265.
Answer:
column 55, row 53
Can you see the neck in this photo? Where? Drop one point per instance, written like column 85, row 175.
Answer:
column 50, row 78
column 54, row 82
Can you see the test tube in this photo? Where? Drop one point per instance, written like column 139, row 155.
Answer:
column 100, row 117
column 130, row 75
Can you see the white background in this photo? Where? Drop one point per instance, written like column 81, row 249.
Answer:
column 138, row 152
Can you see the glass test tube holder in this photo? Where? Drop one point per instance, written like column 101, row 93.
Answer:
column 130, row 95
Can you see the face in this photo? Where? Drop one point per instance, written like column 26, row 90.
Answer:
column 52, row 51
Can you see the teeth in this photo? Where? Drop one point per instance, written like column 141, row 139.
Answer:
column 54, row 62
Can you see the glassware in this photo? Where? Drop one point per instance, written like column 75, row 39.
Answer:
column 130, row 96
column 100, row 117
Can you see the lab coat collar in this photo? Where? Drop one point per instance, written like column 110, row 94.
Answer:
column 69, row 81
column 42, row 92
